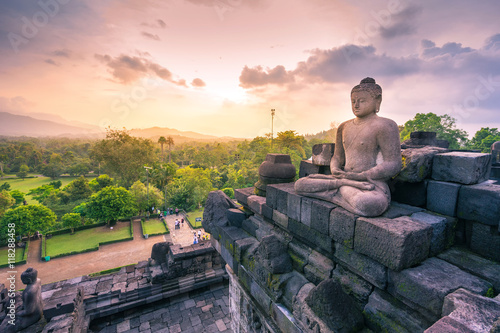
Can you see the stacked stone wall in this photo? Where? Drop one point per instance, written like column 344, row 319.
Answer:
column 408, row 270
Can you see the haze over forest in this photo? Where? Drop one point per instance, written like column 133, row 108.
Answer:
column 217, row 67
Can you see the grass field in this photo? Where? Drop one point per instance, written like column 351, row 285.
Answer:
column 193, row 215
column 86, row 239
column 154, row 227
column 30, row 183
column 4, row 252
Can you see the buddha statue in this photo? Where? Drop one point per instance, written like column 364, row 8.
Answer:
column 367, row 154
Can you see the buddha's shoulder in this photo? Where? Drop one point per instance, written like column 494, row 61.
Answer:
column 384, row 122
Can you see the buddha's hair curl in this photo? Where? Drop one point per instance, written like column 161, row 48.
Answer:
column 368, row 84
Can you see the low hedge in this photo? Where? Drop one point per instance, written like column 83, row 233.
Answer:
column 157, row 233
column 75, row 252
column 83, row 227
column 25, row 254
column 44, row 247
column 24, row 257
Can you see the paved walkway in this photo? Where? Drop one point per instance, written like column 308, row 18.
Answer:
column 107, row 257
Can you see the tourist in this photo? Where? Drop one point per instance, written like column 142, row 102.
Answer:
column 177, row 211
column 182, row 222
column 367, row 154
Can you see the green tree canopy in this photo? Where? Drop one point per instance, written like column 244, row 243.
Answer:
column 78, row 189
column 101, row 182
column 23, row 171
column 444, row 126
column 29, row 218
column 71, row 220
column 190, row 188
column 110, row 204
column 484, row 138
column 140, row 194
column 6, row 201
column 123, row 156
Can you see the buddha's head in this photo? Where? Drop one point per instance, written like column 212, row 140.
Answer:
column 366, row 97
column 29, row 276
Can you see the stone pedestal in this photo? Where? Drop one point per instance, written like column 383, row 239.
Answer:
column 276, row 169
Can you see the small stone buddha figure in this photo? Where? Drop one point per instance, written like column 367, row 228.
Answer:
column 32, row 308
column 367, row 154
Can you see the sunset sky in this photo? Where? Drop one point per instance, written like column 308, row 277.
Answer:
column 219, row 66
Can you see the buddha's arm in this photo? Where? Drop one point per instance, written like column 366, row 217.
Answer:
column 338, row 160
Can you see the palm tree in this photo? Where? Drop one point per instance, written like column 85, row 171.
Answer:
column 162, row 141
column 170, row 143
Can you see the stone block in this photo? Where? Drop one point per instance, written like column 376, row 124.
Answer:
column 413, row 194
column 242, row 246
column 260, row 296
column 284, row 319
column 229, row 235
column 250, row 225
column 461, row 167
column 397, row 209
column 311, row 237
column 267, row 212
column 369, row 269
column 318, row 267
column 471, row 263
column 439, row 226
column 322, row 153
column 255, row 203
column 271, row 196
column 299, row 254
column 235, row 216
column 306, row 211
column 477, row 312
column 417, row 163
column 396, row 243
column 485, row 240
column 353, row 285
column 384, row 313
column 480, row 202
column 448, row 325
column 320, row 215
column 308, row 168
column 241, row 194
column 342, row 225
column 293, row 205
column 281, row 195
column 442, row 197
column 426, row 285
column 292, row 287
column 280, row 219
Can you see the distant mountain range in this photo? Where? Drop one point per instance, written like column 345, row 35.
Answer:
column 22, row 125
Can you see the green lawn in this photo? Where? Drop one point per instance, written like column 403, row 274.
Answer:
column 30, row 183
column 154, row 227
column 193, row 215
column 86, row 239
column 4, row 255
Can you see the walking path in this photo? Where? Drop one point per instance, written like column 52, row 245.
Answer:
column 108, row 256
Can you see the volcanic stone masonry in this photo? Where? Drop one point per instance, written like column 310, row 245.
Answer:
column 428, row 264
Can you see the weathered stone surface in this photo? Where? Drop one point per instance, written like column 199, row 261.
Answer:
column 384, row 313
column 421, row 139
column 159, row 252
column 471, row 263
column 371, row 270
column 485, row 240
column 329, row 302
column 480, row 202
column 310, row 237
column 271, row 196
column 284, row 319
column 306, row 211
column 280, row 219
column 299, row 254
column 255, row 203
column 439, row 226
column 322, row 153
column 427, row 285
column 214, row 214
column 294, row 205
column 396, row 243
column 228, row 235
column 397, row 209
column 318, row 267
column 448, row 325
column 59, row 323
column 476, row 312
column 417, row 163
column 273, row 255
column 342, row 225
column 308, row 168
column 276, row 169
column 353, row 286
column 461, row 167
column 320, row 215
column 242, row 194
column 292, row 287
column 283, row 190
column 235, row 217
column 413, row 194
column 442, row 197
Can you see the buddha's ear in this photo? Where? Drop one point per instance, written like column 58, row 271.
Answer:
column 379, row 101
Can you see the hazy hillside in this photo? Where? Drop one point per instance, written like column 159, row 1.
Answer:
column 154, row 134
column 17, row 125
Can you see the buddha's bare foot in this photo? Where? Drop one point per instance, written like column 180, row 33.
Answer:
column 361, row 185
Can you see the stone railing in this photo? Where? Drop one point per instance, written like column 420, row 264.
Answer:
column 298, row 264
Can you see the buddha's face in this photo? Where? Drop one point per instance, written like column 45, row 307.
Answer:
column 363, row 103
